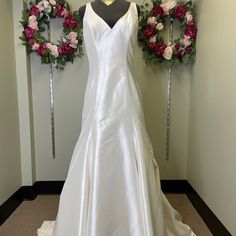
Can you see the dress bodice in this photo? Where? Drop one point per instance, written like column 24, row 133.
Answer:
column 106, row 46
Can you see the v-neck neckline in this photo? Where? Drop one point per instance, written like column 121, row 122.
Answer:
column 110, row 28
column 109, row 4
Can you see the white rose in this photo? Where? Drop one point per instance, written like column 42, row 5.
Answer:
column 186, row 41
column 188, row 16
column 72, row 35
column 168, row 53
column 153, row 39
column 47, row 6
column 53, row 2
column 168, row 6
column 32, row 19
column 151, row 20
column 53, row 49
column 159, row 26
column 40, row 6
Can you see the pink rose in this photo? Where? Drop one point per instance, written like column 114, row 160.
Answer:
column 70, row 22
column 188, row 16
column 148, row 32
column 49, row 45
column 159, row 26
column 191, row 32
column 168, row 6
column 74, row 43
column 33, row 24
column 29, row 32
column 34, row 11
column 151, row 20
column 158, row 11
column 159, row 48
column 153, row 39
column 73, row 39
column 180, row 12
column 60, row 10
column 168, row 52
column 42, row 49
column 35, row 46
column 53, row 49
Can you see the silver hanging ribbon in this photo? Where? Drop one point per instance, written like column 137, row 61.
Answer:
column 169, row 95
column 51, row 96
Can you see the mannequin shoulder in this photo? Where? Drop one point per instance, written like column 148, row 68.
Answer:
column 81, row 12
column 83, row 8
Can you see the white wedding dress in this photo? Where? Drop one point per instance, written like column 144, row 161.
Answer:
column 113, row 183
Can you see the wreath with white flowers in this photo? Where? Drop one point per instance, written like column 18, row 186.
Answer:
column 153, row 21
column 68, row 47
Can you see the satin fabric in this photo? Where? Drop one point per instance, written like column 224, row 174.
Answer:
column 113, row 183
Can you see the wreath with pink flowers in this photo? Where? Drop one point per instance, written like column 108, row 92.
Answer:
column 33, row 20
column 153, row 21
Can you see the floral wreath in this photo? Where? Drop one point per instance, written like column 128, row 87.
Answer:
column 152, row 23
column 68, row 47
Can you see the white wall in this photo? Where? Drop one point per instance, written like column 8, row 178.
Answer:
column 69, row 88
column 212, row 124
column 10, row 169
column 24, row 92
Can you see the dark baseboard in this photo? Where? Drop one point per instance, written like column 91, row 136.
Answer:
column 174, row 186
column 10, row 205
column 28, row 193
column 211, row 220
column 49, row 187
column 167, row 186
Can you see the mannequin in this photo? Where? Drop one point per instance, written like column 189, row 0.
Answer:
column 109, row 10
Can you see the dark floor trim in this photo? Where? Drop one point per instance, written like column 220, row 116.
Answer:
column 211, row 220
column 174, row 186
column 167, row 186
column 49, row 187
column 10, row 205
